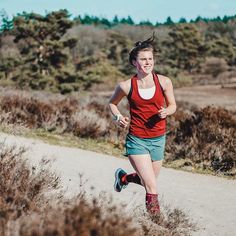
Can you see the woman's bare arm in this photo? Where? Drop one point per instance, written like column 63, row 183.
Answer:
column 117, row 96
column 169, row 97
column 115, row 99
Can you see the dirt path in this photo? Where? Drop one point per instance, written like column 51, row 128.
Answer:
column 202, row 95
column 208, row 95
column 208, row 200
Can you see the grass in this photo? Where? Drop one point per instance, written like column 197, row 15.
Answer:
column 67, row 140
column 180, row 165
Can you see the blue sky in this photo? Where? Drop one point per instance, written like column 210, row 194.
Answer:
column 153, row 10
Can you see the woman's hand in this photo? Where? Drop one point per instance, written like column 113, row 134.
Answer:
column 123, row 121
column 162, row 113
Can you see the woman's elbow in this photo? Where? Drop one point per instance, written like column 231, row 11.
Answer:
column 174, row 108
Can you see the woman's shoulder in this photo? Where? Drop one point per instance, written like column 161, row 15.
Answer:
column 164, row 80
column 125, row 86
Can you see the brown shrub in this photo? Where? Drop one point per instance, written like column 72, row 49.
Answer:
column 22, row 188
column 171, row 222
column 78, row 217
column 8, row 48
column 37, row 113
column 62, row 114
column 114, row 134
column 214, row 66
column 88, row 124
column 206, row 137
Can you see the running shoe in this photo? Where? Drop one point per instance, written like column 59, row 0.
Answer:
column 118, row 185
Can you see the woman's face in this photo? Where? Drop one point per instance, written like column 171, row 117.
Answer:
column 144, row 62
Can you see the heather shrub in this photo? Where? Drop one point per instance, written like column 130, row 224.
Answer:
column 78, row 217
column 206, row 138
column 83, row 116
column 171, row 222
column 214, row 66
column 35, row 112
column 89, row 124
column 62, row 114
column 22, row 187
column 114, row 134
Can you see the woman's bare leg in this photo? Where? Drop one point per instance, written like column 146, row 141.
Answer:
column 156, row 165
column 146, row 170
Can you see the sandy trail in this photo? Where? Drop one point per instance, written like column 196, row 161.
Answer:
column 207, row 95
column 208, row 200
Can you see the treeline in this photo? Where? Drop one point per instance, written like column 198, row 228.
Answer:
column 7, row 24
column 89, row 20
column 58, row 54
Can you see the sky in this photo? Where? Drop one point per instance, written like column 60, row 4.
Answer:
column 139, row 10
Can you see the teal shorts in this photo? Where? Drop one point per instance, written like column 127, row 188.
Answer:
column 155, row 147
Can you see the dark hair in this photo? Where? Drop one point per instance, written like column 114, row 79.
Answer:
column 147, row 44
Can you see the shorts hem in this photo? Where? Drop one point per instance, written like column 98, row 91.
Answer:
column 135, row 153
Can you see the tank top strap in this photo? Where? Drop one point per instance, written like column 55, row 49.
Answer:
column 133, row 86
column 157, row 83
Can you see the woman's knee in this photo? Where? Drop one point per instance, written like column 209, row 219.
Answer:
column 150, row 185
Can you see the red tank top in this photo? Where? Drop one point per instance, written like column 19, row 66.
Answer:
column 145, row 121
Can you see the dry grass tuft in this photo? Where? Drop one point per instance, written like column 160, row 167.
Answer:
column 171, row 222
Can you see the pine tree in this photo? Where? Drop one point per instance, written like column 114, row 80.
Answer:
column 169, row 21
column 115, row 20
column 5, row 23
column 130, row 21
column 182, row 20
column 43, row 52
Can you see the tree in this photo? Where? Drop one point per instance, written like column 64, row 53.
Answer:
column 105, row 22
column 186, row 46
column 130, row 21
column 87, row 20
column 169, row 21
column 147, row 22
column 5, row 23
column 43, row 51
column 118, row 52
column 115, row 20
column 182, row 20
column 222, row 48
column 158, row 24
column 42, row 35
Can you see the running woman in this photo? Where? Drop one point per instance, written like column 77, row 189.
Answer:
column 151, row 100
